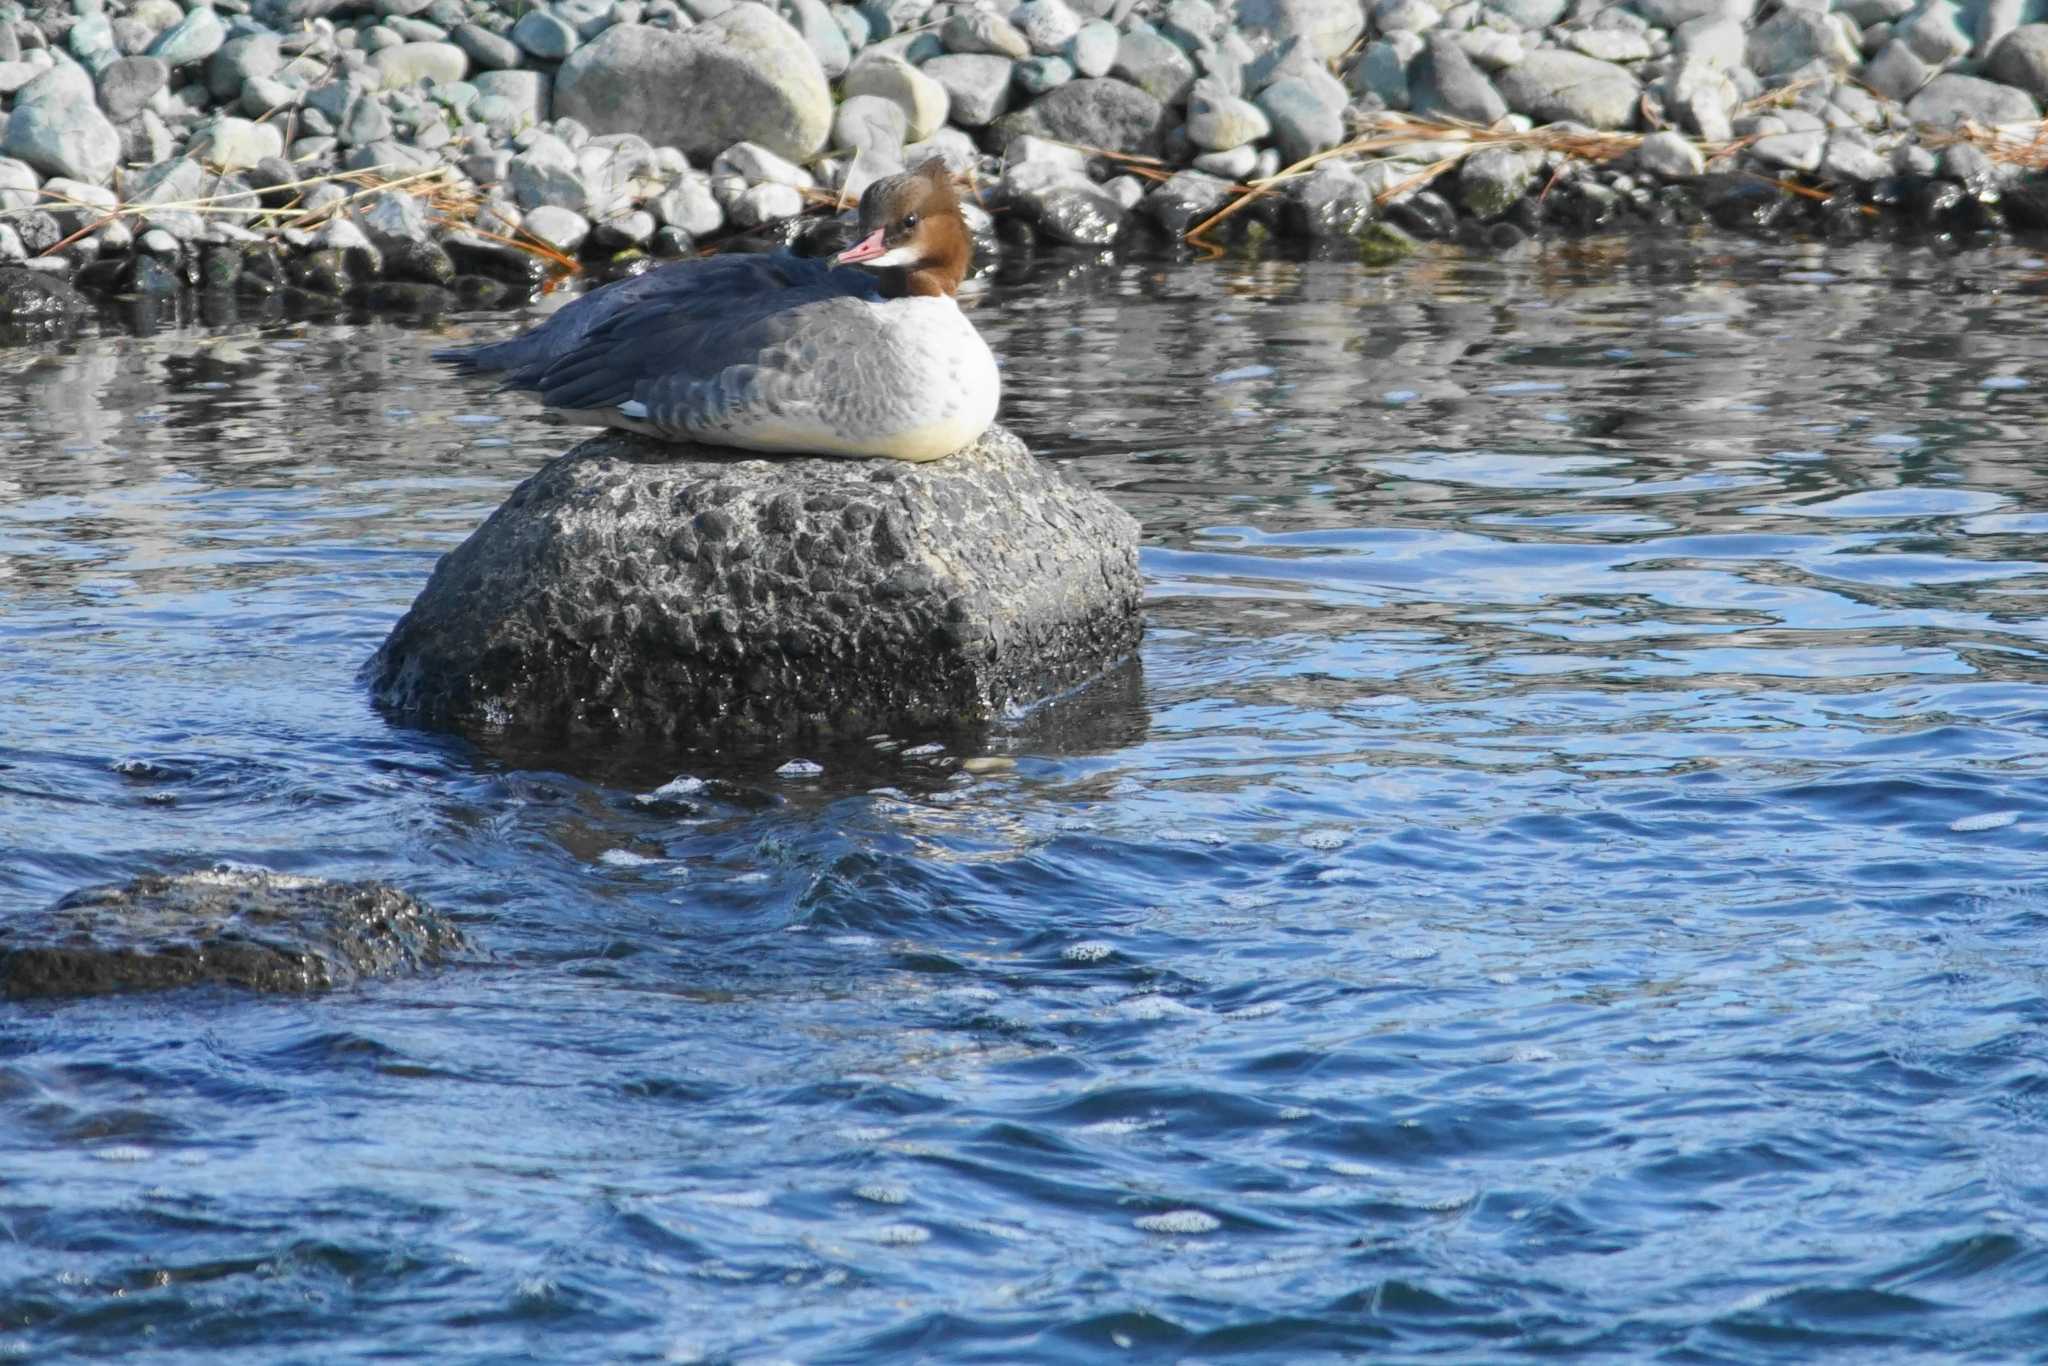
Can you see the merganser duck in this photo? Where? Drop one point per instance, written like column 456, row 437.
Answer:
column 777, row 352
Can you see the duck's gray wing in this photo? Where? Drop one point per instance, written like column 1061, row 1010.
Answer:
column 704, row 290
column 689, row 368
column 821, row 372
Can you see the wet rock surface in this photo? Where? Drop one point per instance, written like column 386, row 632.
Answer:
column 633, row 586
column 257, row 930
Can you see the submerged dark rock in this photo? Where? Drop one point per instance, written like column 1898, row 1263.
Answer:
column 32, row 296
column 229, row 927
column 1744, row 203
column 638, row 587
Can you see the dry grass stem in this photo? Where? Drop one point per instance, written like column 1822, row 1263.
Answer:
column 452, row 204
column 527, row 243
column 1384, row 133
column 2021, row 145
column 327, row 211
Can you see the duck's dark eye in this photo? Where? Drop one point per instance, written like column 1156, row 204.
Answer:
column 909, row 221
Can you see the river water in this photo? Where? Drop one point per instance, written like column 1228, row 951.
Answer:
column 1563, row 876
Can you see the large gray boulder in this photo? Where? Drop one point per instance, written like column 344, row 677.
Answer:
column 689, row 594
column 1091, row 113
column 1331, row 26
column 977, row 85
column 1793, row 37
column 745, row 76
column 1307, row 116
column 1950, row 99
column 416, row 63
column 227, row 927
column 1551, row 85
column 1155, row 64
column 56, row 126
column 2021, row 59
column 1445, row 81
column 192, row 39
column 923, row 100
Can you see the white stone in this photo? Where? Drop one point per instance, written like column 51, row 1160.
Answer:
column 924, row 101
column 1671, row 156
column 237, row 144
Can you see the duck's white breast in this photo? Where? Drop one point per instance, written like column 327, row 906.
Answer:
column 909, row 379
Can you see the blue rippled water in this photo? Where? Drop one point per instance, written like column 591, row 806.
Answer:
column 1563, row 877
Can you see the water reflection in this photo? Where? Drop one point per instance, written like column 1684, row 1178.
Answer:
column 1563, row 874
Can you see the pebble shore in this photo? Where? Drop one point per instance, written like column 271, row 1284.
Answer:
column 452, row 149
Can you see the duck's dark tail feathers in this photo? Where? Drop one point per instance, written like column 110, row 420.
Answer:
column 505, row 355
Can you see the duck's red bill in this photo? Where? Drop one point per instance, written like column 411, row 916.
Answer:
column 867, row 249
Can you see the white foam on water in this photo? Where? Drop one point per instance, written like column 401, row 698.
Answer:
column 883, row 1193
column 1444, row 1204
column 1179, row 1221
column 1153, row 1006
column 1120, row 1128
column 1265, row 1266
column 901, row 1235
column 800, row 768
column 626, row 858
column 1008, row 1233
column 1325, row 839
column 744, row 1199
column 976, row 995
column 1985, row 820
column 123, row 1152
column 1087, row 951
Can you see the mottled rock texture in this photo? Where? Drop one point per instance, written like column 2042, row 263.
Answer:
column 637, row 587
column 745, row 76
column 27, row 296
column 226, row 927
